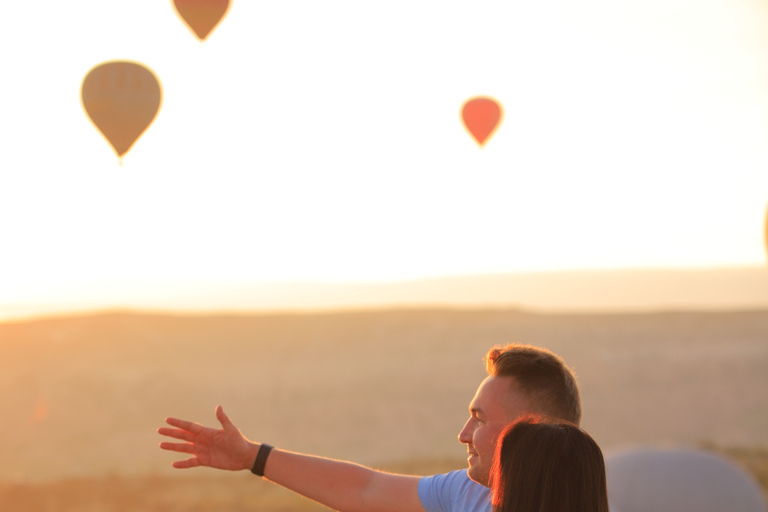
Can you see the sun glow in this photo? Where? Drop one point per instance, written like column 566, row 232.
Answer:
column 326, row 143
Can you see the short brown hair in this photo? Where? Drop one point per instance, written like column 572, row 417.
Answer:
column 545, row 465
column 542, row 376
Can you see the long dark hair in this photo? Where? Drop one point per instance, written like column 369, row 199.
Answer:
column 544, row 465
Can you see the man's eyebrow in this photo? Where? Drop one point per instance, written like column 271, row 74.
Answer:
column 475, row 410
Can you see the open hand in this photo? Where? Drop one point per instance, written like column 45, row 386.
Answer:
column 224, row 448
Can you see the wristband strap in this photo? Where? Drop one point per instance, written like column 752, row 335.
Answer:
column 261, row 459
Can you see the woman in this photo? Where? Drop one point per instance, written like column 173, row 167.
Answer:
column 548, row 466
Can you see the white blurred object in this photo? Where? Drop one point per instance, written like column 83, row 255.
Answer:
column 680, row 480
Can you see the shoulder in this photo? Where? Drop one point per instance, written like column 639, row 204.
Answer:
column 453, row 491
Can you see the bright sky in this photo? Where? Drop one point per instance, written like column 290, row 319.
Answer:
column 317, row 140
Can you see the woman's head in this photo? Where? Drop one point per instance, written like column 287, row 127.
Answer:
column 547, row 466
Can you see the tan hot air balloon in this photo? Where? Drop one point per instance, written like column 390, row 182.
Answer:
column 201, row 15
column 481, row 117
column 122, row 99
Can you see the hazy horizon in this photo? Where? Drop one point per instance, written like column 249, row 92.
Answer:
column 618, row 290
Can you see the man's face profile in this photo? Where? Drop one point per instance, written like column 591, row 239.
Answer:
column 496, row 404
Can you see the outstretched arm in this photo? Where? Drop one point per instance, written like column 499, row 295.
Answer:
column 337, row 484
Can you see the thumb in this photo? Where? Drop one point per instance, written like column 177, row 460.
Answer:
column 226, row 423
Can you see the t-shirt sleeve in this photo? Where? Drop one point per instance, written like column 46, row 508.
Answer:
column 443, row 493
column 431, row 491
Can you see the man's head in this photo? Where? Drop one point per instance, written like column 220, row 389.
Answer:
column 541, row 376
column 521, row 379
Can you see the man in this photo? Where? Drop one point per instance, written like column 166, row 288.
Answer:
column 521, row 379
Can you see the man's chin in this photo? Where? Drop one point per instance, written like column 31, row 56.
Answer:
column 476, row 475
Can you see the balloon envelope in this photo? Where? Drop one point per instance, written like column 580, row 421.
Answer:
column 481, row 116
column 655, row 480
column 201, row 15
column 122, row 99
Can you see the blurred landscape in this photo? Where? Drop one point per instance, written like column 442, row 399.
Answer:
column 582, row 291
column 82, row 396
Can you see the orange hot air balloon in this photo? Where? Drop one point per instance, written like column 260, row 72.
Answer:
column 766, row 230
column 201, row 15
column 122, row 99
column 481, row 116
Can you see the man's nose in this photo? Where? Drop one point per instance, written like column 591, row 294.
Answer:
column 465, row 436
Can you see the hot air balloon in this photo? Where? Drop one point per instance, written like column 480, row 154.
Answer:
column 658, row 480
column 201, row 15
column 481, row 117
column 122, row 99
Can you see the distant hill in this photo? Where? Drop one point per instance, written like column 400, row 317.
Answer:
column 84, row 395
column 577, row 291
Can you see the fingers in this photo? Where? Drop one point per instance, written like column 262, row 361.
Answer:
column 192, row 462
column 226, row 423
column 184, row 464
column 176, row 434
column 195, row 428
column 178, row 447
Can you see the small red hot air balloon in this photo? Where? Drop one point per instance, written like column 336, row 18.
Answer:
column 481, row 116
column 201, row 15
column 122, row 99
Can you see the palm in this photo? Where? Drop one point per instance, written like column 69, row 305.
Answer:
column 217, row 449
